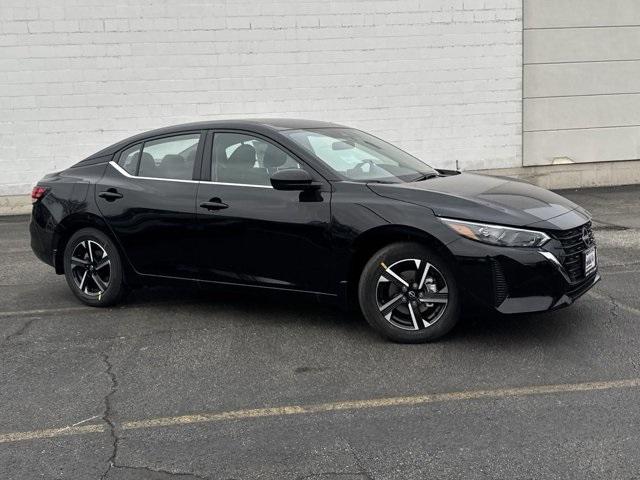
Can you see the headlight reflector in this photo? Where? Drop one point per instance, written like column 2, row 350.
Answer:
column 497, row 234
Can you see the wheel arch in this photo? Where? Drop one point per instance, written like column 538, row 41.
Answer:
column 370, row 241
column 71, row 224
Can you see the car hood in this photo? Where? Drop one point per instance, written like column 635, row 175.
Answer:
column 485, row 198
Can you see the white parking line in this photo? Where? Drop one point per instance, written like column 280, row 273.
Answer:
column 51, row 433
column 414, row 400
column 47, row 311
column 44, row 311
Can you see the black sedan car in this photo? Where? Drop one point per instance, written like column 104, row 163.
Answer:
column 316, row 208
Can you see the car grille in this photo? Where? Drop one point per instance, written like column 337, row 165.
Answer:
column 574, row 243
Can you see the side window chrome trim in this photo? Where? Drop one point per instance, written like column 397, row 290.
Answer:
column 128, row 175
column 209, row 182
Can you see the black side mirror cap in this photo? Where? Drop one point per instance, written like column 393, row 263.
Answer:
column 293, row 179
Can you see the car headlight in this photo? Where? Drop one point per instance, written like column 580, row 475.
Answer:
column 496, row 234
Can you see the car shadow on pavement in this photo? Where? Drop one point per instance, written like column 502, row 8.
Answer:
column 260, row 305
column 307, row 310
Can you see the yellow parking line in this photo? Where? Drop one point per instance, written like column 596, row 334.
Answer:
column 326, row 407
column 378, row 403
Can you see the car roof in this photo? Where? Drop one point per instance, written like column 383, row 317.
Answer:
column 257, row 125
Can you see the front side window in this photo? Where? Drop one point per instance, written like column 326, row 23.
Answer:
column 245, row 159
column 129, row 159
column 171, row 157
column 358, row 156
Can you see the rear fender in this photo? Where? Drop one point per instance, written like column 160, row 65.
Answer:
column 71, row 224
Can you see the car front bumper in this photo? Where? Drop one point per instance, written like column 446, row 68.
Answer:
column 517, row 280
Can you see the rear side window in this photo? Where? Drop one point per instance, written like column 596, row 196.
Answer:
column 171, row 157
column 129, row 159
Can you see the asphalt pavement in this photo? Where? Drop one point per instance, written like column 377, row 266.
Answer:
column 188, row 383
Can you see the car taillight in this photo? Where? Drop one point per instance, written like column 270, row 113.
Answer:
column 37, row 193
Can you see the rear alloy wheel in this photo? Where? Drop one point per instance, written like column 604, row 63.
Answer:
column 409, row 294
column 93, row 268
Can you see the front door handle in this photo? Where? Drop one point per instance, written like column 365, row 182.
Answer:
column 110, row 195
column 214, row 204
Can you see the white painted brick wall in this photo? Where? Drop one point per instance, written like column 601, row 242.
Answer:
column 441, row 78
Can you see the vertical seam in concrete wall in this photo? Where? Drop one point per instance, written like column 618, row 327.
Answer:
column 522, row 90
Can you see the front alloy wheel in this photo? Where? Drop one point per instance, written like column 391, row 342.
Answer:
column 409, row 294
column 412, row 294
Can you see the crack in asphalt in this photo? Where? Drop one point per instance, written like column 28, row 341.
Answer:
column 108, row 414
column 362, row 471
column 614, row 307
column 361, row 468
column 162, row 472
column 615, row 314
column 22, row 330
column 330, row 474
column 107, row 417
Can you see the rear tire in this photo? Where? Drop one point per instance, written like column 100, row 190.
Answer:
column 93, row 268
column 394, row 293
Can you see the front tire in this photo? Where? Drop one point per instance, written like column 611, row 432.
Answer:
column 408, row 293
column 93, row 268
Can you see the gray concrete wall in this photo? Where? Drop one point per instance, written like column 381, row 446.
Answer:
column 581, row 81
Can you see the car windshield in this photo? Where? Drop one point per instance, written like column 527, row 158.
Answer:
column 358, row 156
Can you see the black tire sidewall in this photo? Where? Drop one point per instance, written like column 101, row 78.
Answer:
column 368, row 285
column 114, row 291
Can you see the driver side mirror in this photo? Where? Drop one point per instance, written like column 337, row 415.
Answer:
column 293, row 179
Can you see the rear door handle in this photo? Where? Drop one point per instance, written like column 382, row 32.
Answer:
column 110, row 195
column 214, row 204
